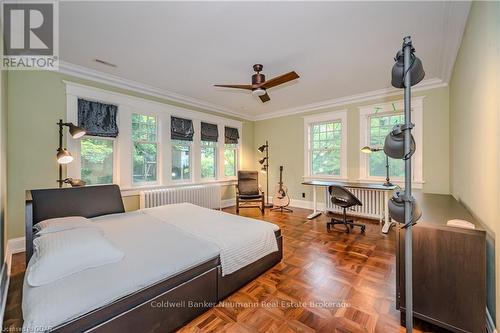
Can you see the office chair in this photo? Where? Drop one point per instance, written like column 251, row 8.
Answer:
column 342, row 197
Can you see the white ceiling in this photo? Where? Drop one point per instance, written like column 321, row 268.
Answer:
column 339, row 49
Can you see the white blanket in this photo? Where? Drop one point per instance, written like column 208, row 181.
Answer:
column 241, row 240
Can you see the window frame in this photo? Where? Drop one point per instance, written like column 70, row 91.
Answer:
column 223, row 159
column 365, row 114
column 78, row 159
column 191, row 175
column 123, row 144
column 216, row 159
column 309, row 121
column 158, row 144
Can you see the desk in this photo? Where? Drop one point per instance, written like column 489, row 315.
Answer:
column 449, row 275
column 386, row 190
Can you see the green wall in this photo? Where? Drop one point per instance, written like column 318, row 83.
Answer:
column 36, row 100
column 286, row 134
column 475, row 136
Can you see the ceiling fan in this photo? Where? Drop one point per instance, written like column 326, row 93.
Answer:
column 260, row 85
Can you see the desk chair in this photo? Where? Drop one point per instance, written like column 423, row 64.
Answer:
column 342, row 197
column 248, row 191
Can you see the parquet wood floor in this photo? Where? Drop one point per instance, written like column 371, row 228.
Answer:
column 326, row 282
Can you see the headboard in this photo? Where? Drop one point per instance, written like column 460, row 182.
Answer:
column 88, row 201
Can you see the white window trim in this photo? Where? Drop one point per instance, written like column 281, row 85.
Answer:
column 417, row 105
column 122, row 166
column 319, row 118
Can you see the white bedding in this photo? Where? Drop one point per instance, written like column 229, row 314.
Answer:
column 241, row 240
column 153, row 251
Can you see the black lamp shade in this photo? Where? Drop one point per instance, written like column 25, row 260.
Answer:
column 262, row 160
column 397, row 208
column 394, row 145
column 64, row 156
column 75, row 131
column 416, row 70
column 262, row 148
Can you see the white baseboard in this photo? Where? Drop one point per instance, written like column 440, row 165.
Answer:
column 228, row 203
column 16, row 245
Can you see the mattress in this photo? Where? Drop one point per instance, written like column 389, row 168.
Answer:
column 241, row 241
column 154, row 251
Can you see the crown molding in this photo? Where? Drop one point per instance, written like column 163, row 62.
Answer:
column 352, row 99
column 119, row 82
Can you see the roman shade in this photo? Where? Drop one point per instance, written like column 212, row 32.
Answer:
column 209, row 132
column 231, row 135
column 181, row 129
column 98, row 119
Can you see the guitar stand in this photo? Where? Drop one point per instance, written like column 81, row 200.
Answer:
column 281, row 208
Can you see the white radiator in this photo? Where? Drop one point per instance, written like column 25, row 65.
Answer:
column 373, row 203
column 207, row 196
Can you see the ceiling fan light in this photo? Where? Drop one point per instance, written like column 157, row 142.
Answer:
column 258, row 92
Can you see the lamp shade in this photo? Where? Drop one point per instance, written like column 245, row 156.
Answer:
column 64, row 156
column 75, row 131
column 262, row 148
column 262, row 160
column 394, row 145
column 416, row 70
column 397, row 208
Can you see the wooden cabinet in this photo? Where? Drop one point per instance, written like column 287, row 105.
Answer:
column 449, row 267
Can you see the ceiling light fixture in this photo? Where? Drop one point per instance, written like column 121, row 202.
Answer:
column 258, row 92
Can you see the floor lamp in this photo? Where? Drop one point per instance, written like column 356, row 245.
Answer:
column 369, row 150
column 64, row 156
column 399, row 144
column 264, row 161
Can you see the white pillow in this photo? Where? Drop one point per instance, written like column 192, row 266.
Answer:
column 60, row 254
column 62, row 223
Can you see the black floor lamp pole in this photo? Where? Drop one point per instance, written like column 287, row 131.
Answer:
column 387, row 179
column 60, row 179
column 407, row 49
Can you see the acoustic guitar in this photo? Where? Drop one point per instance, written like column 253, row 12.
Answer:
column 280, row 197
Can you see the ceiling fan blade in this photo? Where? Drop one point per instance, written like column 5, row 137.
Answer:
column 279, row 80
column 265, row 98
column 237, row 86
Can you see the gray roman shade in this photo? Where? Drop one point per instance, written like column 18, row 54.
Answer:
column 209, row 132
column 98, row 119
column 231, row 135
column 181, row 129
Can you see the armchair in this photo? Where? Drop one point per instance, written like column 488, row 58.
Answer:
column 248, row 192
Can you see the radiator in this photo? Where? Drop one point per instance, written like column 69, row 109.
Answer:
column 207, row 196
column 373, row 203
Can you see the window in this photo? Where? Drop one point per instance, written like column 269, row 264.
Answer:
column 230, row 159
column 326, row 142
column 140, row 144
column 376, row 121
column 145, row 148
column 380, row 126
column 181, row 160
column 96, row 160
column 208, row 159
column 325, row 137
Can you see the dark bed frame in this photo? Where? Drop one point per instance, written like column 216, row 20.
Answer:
column 161, row 307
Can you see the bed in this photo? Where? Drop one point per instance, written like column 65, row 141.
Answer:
column 193, row 271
